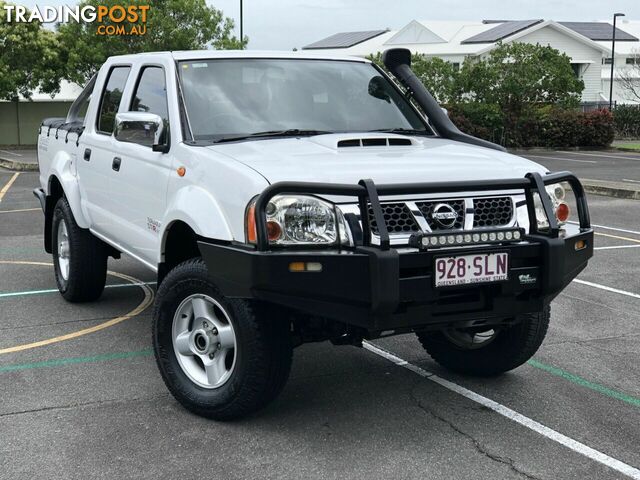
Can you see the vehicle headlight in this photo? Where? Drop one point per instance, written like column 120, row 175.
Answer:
column 557, row 194
column 301, row 220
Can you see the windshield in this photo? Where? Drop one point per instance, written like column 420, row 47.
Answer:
column 228, row 98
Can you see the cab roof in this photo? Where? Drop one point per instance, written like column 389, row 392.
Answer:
column 213, row 54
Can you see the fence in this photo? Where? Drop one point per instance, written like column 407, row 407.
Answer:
column 591, row 106
column 19, row 122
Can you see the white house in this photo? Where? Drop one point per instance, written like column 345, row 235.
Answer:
column 456, row 41
column 627, row 55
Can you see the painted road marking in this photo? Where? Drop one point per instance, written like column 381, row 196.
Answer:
column 11, row 153
column 616, row 247
column 578, row 380
column 561, row 158
column 75, row 360
column 55, row 290
column 610, row 228
column 6, row 188
column 21, row 210
column 629, row 180
column 624, row 157
column 618, row 237
column 506, row 412
column 608, row 289
column 146, row 301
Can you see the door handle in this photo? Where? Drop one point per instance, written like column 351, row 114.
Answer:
column 116, row 163
column 87, row 154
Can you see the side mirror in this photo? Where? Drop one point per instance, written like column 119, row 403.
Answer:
column 142, row 128
column 378, row 89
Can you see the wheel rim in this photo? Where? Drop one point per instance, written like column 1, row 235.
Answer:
column 64, row 252
column 470, row 340
column 204, row 341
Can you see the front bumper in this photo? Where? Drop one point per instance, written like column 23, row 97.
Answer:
column 394, row 289
column 380, row 288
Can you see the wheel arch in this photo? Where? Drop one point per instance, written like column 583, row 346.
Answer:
column 179, row 243
column 62, row 180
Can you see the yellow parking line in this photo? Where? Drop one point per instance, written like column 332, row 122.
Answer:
column 618, row 237
column 20, row 210
column 146, row 301
column 6, row 188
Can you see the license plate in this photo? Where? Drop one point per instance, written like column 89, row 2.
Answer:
column 468, row 269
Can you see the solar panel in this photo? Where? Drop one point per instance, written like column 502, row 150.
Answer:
column 503, row 30
column 599, row 31
column 344, row 39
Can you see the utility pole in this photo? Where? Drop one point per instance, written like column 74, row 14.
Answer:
column 242, row 30
column 613, row 58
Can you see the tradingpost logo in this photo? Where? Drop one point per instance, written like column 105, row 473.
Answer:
column 110, row 20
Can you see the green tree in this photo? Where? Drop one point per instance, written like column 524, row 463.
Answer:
column 28, row 58
column 441, row 78
column 170, row 25
column 516, row 75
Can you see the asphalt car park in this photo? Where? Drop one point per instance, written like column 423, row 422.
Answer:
column 607, row 165
column 82, row 397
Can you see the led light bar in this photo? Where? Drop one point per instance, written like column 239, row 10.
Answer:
column 462, row 238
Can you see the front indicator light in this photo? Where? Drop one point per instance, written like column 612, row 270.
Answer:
column 274, row 230
column 562, row 212
column 580, row 245
column 296, row 267
column 252, row 236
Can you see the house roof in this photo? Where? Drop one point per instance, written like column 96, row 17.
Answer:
column 631, row 27
column 344, row 39
column 463, row 38
column 501, row 31
column 557, row 26
column 599, row 31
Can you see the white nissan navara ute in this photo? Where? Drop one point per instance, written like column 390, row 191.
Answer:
column 285, row 198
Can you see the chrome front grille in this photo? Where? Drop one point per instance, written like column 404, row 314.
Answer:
column 404, row 218
column 398, row 218
column 492, row 212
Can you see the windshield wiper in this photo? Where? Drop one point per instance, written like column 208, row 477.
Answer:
column 292, row 132
column 402, row 131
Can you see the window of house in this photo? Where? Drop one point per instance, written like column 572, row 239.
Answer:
column 633, row 60
column 111, row 97
column 577, row 69
column 607, row 61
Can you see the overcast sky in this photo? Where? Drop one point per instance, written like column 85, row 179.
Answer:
column 284, row 24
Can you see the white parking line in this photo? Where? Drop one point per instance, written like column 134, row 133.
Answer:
column 608, row 289
column 625, row 157
column 616, row 247
column 611, row 228
column 11, row 153
column 561, row 158
column 527, row 422
column 7, row 186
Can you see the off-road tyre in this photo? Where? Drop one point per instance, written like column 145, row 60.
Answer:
column 87, row 262
column 512, row 347
column 263, row 356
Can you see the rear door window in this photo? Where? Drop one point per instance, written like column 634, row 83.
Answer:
column 111, row 97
